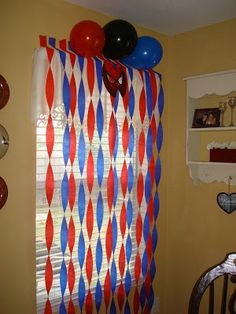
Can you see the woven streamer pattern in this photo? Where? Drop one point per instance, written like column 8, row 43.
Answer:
column 98, row 171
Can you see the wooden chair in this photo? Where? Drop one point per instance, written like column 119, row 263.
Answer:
column 227, row 269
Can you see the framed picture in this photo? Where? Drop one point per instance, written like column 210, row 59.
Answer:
column 206, row 118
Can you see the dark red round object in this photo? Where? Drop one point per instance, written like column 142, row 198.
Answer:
column 3, row 192
column 87, row 38
column 4, row 92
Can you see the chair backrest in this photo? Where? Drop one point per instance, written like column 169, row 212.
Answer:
column 227, row 269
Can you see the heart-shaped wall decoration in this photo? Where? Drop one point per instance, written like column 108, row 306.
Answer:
column 227, row 202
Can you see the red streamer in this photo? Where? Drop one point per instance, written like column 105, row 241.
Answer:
column 124, row 179
column 49, row 231
column 90, row 172
column 91, row 122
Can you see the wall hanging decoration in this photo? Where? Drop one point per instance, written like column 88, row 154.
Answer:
column 99, row 136
column 4, row 92
column 3, row 192
column 4, row 141
column 114, row 78
column 227, row 201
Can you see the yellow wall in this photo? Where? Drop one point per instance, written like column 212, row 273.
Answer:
column 21, row 23
column 199, row 232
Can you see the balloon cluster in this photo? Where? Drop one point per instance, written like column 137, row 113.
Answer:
column 117, row 40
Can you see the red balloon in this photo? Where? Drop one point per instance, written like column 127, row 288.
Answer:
column 87, row 38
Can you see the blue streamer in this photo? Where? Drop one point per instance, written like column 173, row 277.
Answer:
column 64, row 235
column 66, row 95
column 128, row 248
column 114, row 232
column 64, row 191
column 142, row 295
column 100, row 211
column 66, row 144
column 154, row 238
column 113, row 276
column 148, row 187
column 81, row 152
column 52, row 41
column 130, row 70
column 127, row 307
column 81, row 63
column 116, row 102
column 144, row 264
column 161, row 101
column 158, row 170
column 100, row 166
column 130, row 177
column 99, row 255
column 129, row 213
column 81, row 101
column 116, row 185
column 98, row 295
column 100, row 118
column 149, row 144
column 131, row 140
column 152, row 268
column 113, row 307
column 150, row 299
column 81, row 250
column 63, row 277
column 146, row 227
column 159, row 137
column 62, row 309
column 117, row 141
column 98, row 65
column 128, row 282
column 63, row 58
column 81, row 202
column 156, row 206
column 131, row 102
column 81, row 292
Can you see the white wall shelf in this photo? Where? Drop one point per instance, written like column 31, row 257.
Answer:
column 205, row 91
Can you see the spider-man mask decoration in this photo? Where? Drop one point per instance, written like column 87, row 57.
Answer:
column 114, row 78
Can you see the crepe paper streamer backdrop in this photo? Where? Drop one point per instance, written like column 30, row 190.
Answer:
column 102, row 155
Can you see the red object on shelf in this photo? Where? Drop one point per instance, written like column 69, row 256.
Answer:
column 223, row 155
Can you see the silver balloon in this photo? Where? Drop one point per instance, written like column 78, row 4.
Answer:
column 4, row 141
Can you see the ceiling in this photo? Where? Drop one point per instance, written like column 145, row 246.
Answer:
column 165, row 16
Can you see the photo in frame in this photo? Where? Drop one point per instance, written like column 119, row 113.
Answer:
column 206, row 118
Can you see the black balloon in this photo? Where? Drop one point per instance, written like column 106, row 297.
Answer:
column 120, row 39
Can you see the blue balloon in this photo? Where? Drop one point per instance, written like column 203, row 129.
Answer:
column 147, row 53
